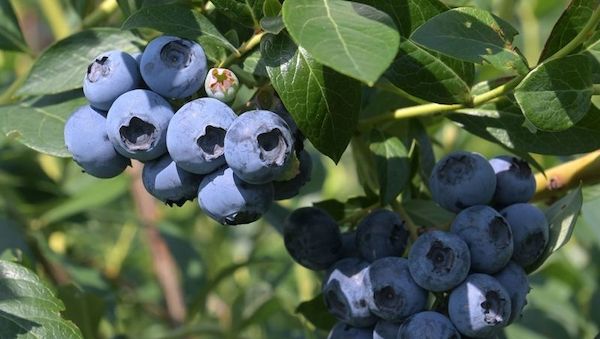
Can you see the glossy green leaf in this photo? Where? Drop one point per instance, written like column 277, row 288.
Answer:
column 572, row 20
column 185, row 22
column 472, row 35
column 85, row 309
column 556, row 95
column 593, row 53
column 271, row 8
column 29, row 309
column 315, row 311
column 39, row 123
column 246, row 12
column 254, row 64
column 507, row 129
column 323, row 103
column 62, row 67
column 392, row 165
column 408, row 15
column 352, row 38
column 437, row 82
column 562, row 217
column 11, row 37
column 272, row 24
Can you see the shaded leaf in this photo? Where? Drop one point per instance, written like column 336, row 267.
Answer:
column 570, row 23
column 246, row 12
column 182, row 21
column 63, row 65
column 271, row 8
column 437, row 82
column 472, row 35
column 272, row 24
column 29, row 309
column 428, row 214
column 39, row 123
column 11, row 37
column 323, row 103
column 556, row 95
column 354, row 39
column 392, row 164
column 562, row 217
column 315, row 311
column 83, row 308
column 342, row 210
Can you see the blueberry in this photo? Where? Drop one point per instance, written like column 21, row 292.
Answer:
column 137, row 124
column 514, row 180
column 258, row 146
column 87, row 141
column 480, row 306
column 349, row 248
column 345, row 293
column 530, row 232
column 290, row 188
column 462, row 179
column 196, row 135
column 169, row 183
column 488, row 236
column 428, row 325
column 514, row 279
column 386, row 330
column 381, row 234
column 438, row 261
column 108, row 76
column 312, row 238
column 393, row 294
column 221, row 84
column 232, row 201
column 173, row 67
column 342, row 330
column 281, row 110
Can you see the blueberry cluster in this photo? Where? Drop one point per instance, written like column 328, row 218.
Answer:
column 235, row 165
column 475, row 272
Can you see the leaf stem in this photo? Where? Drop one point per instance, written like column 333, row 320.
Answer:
column 244, row 48
column 57, row 20
column 103, row 11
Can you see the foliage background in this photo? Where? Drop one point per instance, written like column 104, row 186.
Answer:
column 85, row 236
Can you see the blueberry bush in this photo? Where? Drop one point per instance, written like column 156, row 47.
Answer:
column 299, row 169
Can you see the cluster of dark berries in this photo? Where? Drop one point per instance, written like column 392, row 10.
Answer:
column 475, row 272
column 235, row 165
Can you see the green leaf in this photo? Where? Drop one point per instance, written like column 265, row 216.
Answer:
column 562, row 217
column 324, row 103
column 315, row 312
column 572, row 20
column 182, row 21
column 83, row 308
column 352, row 38
column 437, row 82
column 29, row 309
column 39, row 123
column 246, row 12
column 342, row 210
column 408, row 14
column 271, row 8
column 557, row 94
column 392, row 164
column 272, row 24
column 593, row 54
column 254, row 64
column 11, row 37
column 428, row 214
column 472, row 35
column 62, row 67
column 506, row 128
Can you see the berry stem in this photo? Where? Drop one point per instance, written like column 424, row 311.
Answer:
column 244, row 48
column 413, row 229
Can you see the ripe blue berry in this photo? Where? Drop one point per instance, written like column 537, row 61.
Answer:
column 312, row 238
column 231, row 201
column 393, row 294
column 221, row 84
column 480, row 306
column 290, row 188
column 345, row 293
column 488, row 236
column 514, row 279
column 514, row 180
column 108, row 76
column 137, row 124
column 462, row 179
column 530, row 232
column 381, row 234
column 342, row 330
column 428, row 325
column 87, row 141
column 258, row 146
column 386, row 330
column 169, row 183
column 196, row 135
column 173, row 67
column 349, row 248
column 438, row 261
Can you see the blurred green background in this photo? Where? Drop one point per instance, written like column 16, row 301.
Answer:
column 84, row 235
